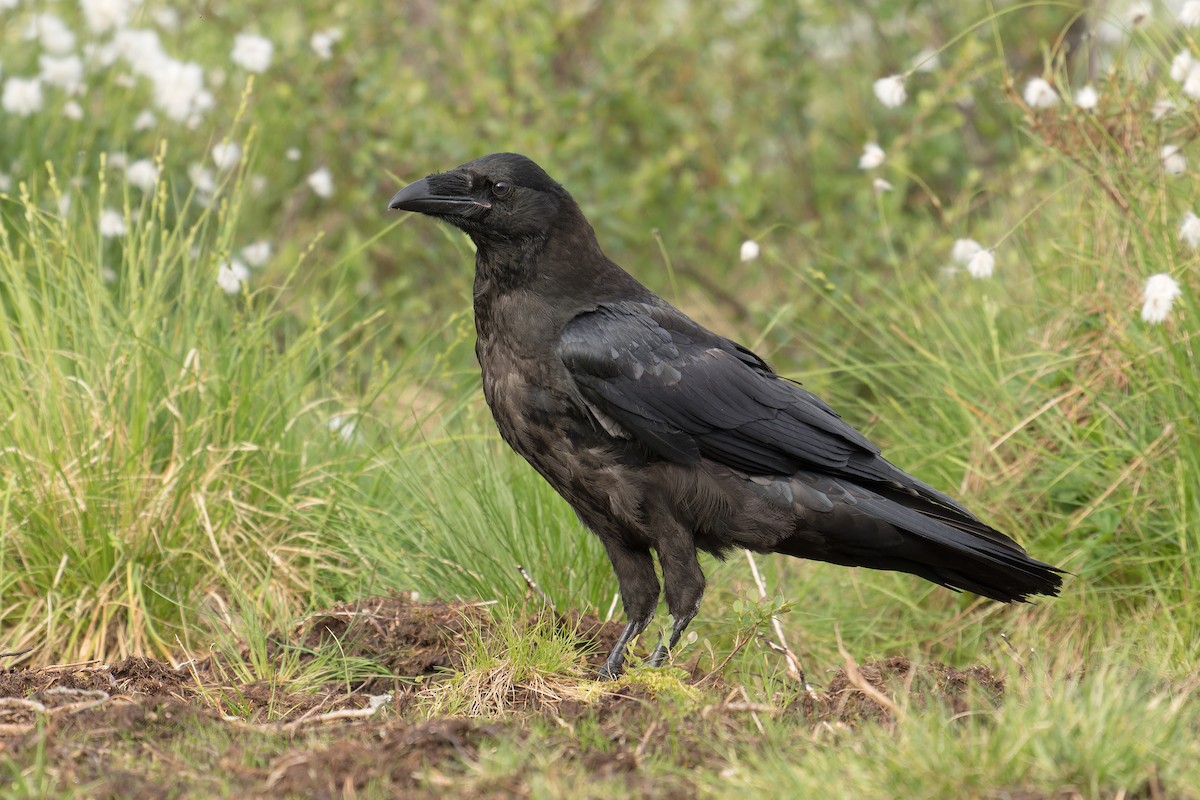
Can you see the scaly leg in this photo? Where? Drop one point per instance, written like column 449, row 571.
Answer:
column 683, row 581
column 639, row 594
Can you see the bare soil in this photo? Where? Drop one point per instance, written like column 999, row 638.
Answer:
column 896, row 680
column 142, row 728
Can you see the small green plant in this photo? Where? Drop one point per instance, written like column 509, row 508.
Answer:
column 518, row 664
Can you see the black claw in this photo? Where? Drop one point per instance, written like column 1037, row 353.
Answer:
column 660, row 656
column 614, row 665
column 610, row 672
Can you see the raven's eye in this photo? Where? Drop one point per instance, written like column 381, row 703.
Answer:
column 501, row 189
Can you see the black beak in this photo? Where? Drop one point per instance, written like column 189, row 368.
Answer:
column 437, row 194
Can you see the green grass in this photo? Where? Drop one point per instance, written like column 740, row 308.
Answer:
column 183, row 469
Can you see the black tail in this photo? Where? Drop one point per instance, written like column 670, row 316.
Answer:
column 947, row 546
column 993, row 565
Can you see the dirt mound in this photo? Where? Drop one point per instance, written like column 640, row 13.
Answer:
column 400, row 636
column 872, row 691
column 409, row 638
column 95, row 701
column 134, row 675
column 421, row 639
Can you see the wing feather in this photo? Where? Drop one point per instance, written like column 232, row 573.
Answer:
column 687, row 394
column 678, row 389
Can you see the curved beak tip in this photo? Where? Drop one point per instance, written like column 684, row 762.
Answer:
column 412, row 197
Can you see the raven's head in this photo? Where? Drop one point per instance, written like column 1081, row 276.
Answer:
column 502, row 197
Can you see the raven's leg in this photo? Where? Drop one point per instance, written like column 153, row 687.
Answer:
column 639, row 594
column 683, row 581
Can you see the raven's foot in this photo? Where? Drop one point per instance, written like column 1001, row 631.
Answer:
column 610, row 671
column 662, row 653
column 614, row 665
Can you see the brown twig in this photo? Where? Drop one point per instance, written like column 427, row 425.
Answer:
column 862, row 684
column 533, row 585
column 74, row 665
column 794, row 668
column 330, row 716
column 640, row 751
column 1012, row 652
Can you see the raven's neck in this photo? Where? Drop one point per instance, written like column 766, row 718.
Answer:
column 537, row 286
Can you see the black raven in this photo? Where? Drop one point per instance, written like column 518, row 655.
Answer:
column 665, row 436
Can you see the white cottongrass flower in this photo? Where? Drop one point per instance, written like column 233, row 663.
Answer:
column 103, row 16
column 964, row 250
column 8, row 5
column 64, row 204
column 142, row 51
column 322, row 45
column 251, row 52
column 231, row 275
column 142, row 174
column 1189, row 230
column 202, row 178
column 144, row 121
column 257, row 254
column 750, row 250
column 22, row 96
column 1174, row 162
column 116, row 159
column 321, row 182
column 226, row 155
column 1181, row 64
column 1189, row 14
column 5, row 182
column 72, row 110
column 179, row 90
column 1087, row 98
column 1191, row 82
column 1158, row 296
column 1161, row 108
column 52, row 32
column 890, row 91
column 112, row 224
column 872, row 156
column 292, row 154
column 1139, row 13
column 881, row 186
column 982, row 264
column 344, row 426
column 65, row 72
column 1040, row 94
column 322, row 42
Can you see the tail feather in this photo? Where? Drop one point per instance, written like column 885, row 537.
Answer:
column 913, row 535
column 970, row 555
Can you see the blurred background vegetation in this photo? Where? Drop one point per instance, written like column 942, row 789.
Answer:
column 176, row 460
